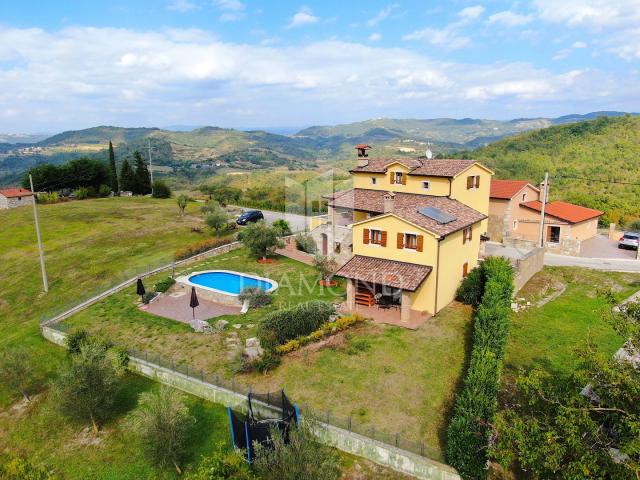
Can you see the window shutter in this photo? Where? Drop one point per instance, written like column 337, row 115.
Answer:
column 404, row 179
column 365, row 236
column 391, row 177
column 465, row 269
column 477, row 181
column 419, row 242
column 400, row 240
column 383, row 240
column 464, row 236
column 471, row 231
column 469, row 183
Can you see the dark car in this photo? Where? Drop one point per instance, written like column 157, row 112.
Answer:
column 250, row 216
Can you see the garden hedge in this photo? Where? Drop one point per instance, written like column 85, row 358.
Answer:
column 283, row 325
column 470, row 428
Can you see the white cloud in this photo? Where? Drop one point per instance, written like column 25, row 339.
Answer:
column 566, row 52
column 304, row 16
column 510, row 19
column 382, row 15
column 232, row 10
column 190, row 76
column 595, row 14
column 579, row 45
column 181, row 6
column 471, row 13
column 375, row 37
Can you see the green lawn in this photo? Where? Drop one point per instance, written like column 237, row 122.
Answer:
column 549, row 336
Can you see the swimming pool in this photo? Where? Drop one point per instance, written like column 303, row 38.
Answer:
column 228, row 282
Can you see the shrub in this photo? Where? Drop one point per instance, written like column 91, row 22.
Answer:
column 325, row 266
column 51, row 197
column 75, row 340
column 201, row 247
column 104, row 190
column 282, row 325
column 161, row 189
column 148, row 296
column 257, row 297
column 164, row 284
column 305, row 243
column 471, row 289
column 328, row 328
column 222, row 465
column 268, row 361
column 24, row 469
column 470, row 428
column 81, row 193
column 282, row 226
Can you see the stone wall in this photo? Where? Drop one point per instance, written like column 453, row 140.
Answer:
column 350, row 442
column 495, row 228
column 527, row 266
column 13, row 202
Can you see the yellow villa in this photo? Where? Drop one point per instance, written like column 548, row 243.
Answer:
column 416, row 227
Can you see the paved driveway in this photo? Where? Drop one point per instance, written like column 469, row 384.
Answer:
column 297, row 222
column 601, row 247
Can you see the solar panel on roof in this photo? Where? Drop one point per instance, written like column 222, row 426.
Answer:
column 437, row 215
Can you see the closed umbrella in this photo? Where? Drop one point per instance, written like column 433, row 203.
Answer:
column 140, row 288
column 194, row 301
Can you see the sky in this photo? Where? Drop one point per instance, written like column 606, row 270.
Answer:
column 253, row 64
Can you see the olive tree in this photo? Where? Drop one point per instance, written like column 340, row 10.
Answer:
column 182, row 203
column 163, row 423
column 261, row 239
column 16, row 370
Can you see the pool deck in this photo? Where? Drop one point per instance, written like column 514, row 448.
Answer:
column 175, row 306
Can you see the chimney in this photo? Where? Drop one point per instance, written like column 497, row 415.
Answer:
column 387, row 200
column 363, row 160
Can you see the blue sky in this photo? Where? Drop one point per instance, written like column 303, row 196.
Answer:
column 76, row 64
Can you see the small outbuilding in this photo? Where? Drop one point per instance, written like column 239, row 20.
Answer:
column 15, row 197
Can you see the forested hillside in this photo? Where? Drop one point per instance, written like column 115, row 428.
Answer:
column 593, row 163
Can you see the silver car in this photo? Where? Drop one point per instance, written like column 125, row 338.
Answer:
column 629, row 240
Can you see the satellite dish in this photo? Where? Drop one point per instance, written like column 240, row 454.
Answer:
column 429, row 154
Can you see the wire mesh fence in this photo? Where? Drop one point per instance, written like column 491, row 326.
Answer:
column 274, row 399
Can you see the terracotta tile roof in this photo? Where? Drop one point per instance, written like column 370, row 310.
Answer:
column 407, row 276
column 406, row 206
column 418, row 166
column 564, row 211
column 506, row 189
column 15, row 192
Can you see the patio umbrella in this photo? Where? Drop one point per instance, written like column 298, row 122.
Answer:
column 140, row 288
column 194, row 301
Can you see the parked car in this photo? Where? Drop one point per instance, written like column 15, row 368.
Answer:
column 250, row 216
column 629, row 240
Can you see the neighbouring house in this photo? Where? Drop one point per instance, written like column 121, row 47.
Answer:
column 514, row 215
column 415, row 229
column 15, row 197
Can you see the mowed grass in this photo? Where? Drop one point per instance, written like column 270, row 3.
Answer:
column 119, row 319
column 548, row 336
column 89, row 245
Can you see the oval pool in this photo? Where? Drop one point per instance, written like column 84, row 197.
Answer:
column 230, row 283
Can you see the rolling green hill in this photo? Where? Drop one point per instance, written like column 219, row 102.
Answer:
column 583, row 160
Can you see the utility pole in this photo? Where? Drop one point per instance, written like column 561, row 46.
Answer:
column 150, row 166
column 545, row 196
column 45, row 282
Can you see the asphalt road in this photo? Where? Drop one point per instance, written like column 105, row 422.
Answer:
column 297, row 222
column 608, row 264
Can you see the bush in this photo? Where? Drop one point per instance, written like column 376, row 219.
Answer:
column 161, row 189
column 470, row 428
column 104, row 190
column 222, row 465
column 51, row 197
column 471, row 289
column 282, row 325
column 81, row 193
column 282, row 226
column 305, row 243
column 148, row 296
column 257, row 297
column 164, row 284
column 75, row 340
column 201, row 247
column 328, row 328
column 24, row 469
column 268, row 361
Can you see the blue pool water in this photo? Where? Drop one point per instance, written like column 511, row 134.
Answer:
column 229, row 282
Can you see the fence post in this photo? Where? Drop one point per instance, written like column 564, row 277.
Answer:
column 187, row 369
column 328, row 413
column 233, row 384
column 349, row 422
column 422, row 448
column 396, row 440
column 201, row 376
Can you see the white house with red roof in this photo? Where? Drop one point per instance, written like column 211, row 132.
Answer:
column 15, row 197
column 514, row 213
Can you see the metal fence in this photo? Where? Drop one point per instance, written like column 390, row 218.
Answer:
column 274, row 399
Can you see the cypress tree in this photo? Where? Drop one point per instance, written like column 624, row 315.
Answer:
column 127, row 178
column 113, row 170
column 142, row 181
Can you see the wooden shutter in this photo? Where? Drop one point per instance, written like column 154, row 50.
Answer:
column 471, row 231
column 477, row 181
column 465, row 269
column 469, row 182
column 365, row 236
column 464, row 236
column 383, row 241
column 404, row 179
column 419, row 242
column 391, row 177
column 400, row 240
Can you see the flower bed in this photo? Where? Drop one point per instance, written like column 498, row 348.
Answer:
column 327, row 329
